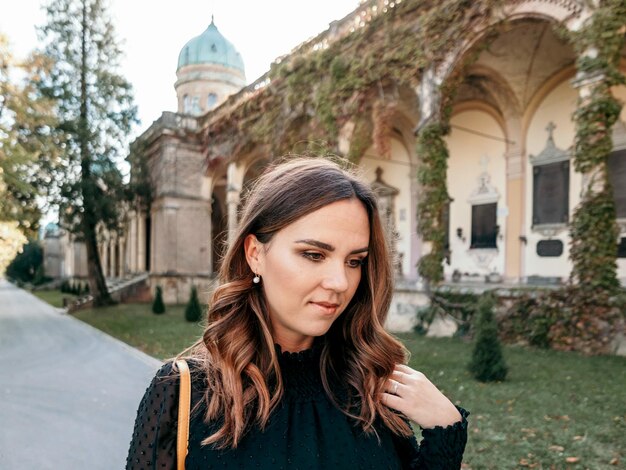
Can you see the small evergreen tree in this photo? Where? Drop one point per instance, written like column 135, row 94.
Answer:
column 193, row 311
column 487, row 363
column 157, row 305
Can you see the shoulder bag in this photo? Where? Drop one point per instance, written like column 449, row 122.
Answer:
column 184, row 404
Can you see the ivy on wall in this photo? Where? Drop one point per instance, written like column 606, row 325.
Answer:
column 434, row 197
column 313, row 95
column 327, row 88
column 594, row 230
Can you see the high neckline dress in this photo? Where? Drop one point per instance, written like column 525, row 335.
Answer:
column 305, row 431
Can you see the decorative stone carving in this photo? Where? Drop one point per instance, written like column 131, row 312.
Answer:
column 483, row 257
column 386, row 195
column 551, row 153
column 485, row 192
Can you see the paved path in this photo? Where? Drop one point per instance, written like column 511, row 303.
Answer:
column 68, row 393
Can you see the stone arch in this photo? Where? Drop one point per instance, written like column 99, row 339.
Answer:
column 558, row 12
column 542, row 92
column 476, row 177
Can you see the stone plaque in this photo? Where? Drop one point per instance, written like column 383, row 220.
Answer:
column 550, row 248
column 621, row 248
column 484, row 226
column 551, row 193
column 617, row 176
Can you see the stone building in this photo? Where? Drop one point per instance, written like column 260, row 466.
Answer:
column 64, row 257
column 512, row 185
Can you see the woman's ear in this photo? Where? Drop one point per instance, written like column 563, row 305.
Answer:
column 253, row 249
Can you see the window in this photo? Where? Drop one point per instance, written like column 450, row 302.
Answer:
column 551, row 193
column 195, row 106
column 211, row 101
column 484, row 226
column 186, row 104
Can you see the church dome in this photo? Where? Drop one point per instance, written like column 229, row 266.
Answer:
column 210, row 48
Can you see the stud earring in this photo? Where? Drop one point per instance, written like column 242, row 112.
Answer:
column 256, row 279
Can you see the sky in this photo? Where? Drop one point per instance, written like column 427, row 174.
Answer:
column 153, row 32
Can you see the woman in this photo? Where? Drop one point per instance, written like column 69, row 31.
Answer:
column 295, row 369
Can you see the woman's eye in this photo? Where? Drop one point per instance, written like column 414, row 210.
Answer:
column 313, row 256
column 356, row 263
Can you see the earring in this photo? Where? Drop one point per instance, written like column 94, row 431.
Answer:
column 256, row 279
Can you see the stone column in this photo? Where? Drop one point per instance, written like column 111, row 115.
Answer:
column 105, row 257
column 233, row 197
column 515, row 200
column 141, row 242
column 131, row 242
column 112, row 254
column 123, row 268
column 206, row 193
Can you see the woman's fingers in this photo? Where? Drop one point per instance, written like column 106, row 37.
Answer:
column 393, row 386
column 410, row 392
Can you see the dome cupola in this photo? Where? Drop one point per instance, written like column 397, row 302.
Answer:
column 209, row 70
column 210, row 47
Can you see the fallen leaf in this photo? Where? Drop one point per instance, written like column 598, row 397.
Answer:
column 557, row 448
column 572, row 459
column 614, row 461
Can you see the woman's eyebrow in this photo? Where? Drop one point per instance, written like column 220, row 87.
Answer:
column 327, row 247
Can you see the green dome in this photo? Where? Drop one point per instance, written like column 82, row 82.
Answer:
column 210, row 48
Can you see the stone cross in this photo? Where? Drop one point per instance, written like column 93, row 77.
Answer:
column 484, row 162
column 550, row 128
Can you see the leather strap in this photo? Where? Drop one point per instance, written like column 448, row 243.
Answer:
column 184, row 404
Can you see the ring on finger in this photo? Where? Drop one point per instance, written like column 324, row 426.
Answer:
column 394, row 390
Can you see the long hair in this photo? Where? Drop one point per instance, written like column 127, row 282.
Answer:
column 237, row 348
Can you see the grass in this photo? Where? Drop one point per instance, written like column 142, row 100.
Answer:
column 555, row 410
column 162, row 336
column 53, row 297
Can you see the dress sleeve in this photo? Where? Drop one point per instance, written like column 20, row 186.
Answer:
column 441, row 448
column 153, row 445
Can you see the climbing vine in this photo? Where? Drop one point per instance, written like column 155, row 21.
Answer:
column 594, row 230
column 330, row 87
column 434, row 197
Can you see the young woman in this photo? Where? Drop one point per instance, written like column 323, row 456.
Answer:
column 295, row 369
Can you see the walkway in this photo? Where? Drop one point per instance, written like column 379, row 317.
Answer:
column 68, row 393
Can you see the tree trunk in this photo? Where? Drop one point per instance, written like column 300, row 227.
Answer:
column 97, row 284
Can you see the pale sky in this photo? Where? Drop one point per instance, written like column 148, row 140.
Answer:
column 154, row 31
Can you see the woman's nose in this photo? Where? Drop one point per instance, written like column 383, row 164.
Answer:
column 336, row 278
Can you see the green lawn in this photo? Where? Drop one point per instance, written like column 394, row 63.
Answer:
column 53, row 297
column 555, row 411
column 162, row 336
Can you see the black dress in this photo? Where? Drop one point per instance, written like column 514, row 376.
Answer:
column 306, row 431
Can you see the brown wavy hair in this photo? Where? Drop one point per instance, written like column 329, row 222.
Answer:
column 237, row 348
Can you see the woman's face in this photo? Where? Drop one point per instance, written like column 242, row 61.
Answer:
column 310, row 270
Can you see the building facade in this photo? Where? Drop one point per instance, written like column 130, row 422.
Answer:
column 511, row 179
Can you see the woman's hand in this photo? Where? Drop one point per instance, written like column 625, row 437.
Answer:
column 411, row 393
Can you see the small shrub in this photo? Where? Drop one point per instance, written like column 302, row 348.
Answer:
column 487, row 363
column 158, row 306
column 193, row 311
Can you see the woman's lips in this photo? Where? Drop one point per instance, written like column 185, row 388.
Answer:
column 326, row 307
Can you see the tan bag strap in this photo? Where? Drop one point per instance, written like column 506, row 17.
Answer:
column 184, row 404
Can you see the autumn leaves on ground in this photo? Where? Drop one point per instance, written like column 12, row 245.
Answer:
column 555, row 410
